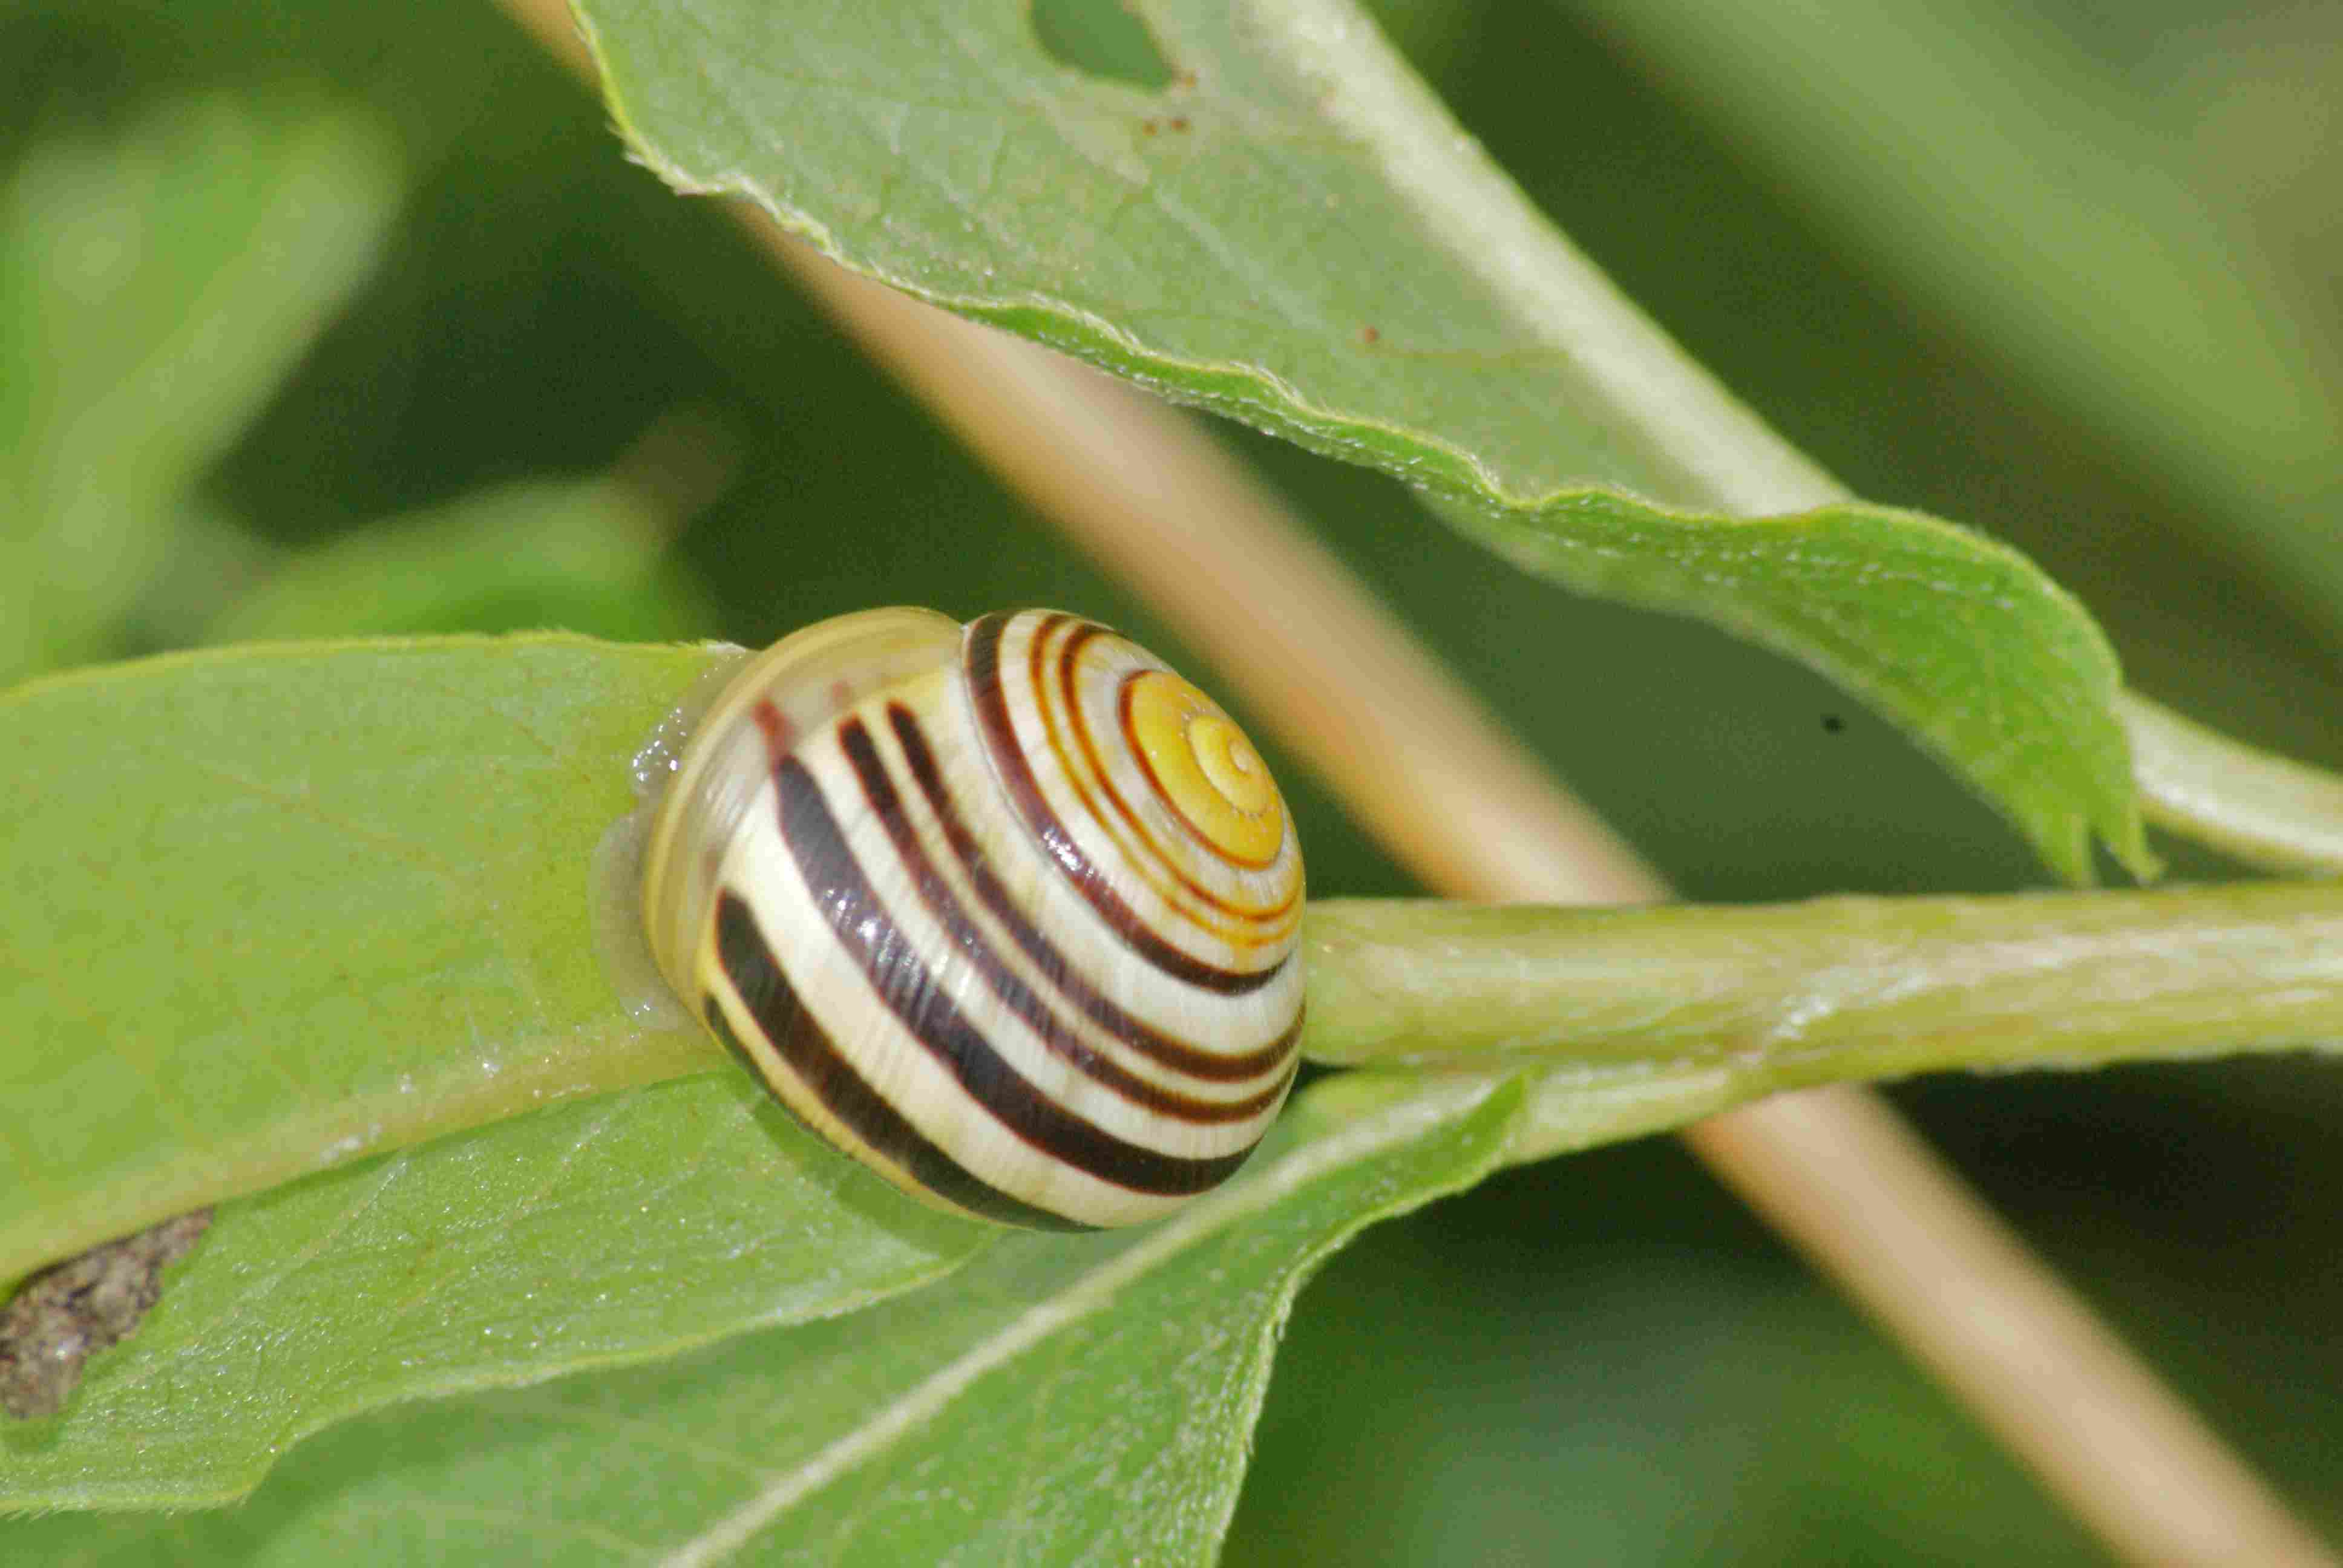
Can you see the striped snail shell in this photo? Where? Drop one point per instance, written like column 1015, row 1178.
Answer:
column 1008, row 912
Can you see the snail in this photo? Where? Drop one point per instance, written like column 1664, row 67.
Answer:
column 1007, row 911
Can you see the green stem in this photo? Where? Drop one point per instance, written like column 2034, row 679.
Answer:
column 2266, row 810
column 1835, row 989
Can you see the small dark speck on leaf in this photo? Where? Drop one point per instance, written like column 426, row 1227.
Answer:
column 71, row 1311
column 1178, row 122
column 1369, row 335
column 1833, row 723
column 1147, row 127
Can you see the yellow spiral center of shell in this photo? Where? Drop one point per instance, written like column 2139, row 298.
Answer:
column 1207, row 771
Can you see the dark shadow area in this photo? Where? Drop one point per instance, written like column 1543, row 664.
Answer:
column 1103, row 38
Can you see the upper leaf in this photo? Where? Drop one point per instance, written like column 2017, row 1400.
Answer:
column 1294, row 233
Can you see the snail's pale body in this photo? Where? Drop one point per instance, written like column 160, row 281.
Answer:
column 1007, row 912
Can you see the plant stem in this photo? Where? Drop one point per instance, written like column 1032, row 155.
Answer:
column 1844, row 988
column 1885, row 1217
column 2266, row 810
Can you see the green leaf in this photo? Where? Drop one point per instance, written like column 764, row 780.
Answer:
column 274, row 908
column 1295, row 235
column 615, row 1230
column 1062, row 1399
column 152, row 294
column 584, row 553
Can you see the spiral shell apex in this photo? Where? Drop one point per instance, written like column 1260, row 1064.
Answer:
column 1009, row 912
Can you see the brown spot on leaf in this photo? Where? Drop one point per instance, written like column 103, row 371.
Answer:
column 69, row 1312
column 1370, row 336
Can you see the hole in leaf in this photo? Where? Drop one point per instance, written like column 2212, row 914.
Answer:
column 1103, row 38
column 70, row 1311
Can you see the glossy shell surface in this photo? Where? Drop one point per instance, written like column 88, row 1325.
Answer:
column 1007, row 911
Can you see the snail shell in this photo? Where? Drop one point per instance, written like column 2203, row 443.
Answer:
column 1008, row 912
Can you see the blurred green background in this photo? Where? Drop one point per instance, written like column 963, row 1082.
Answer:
column 324, row 319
